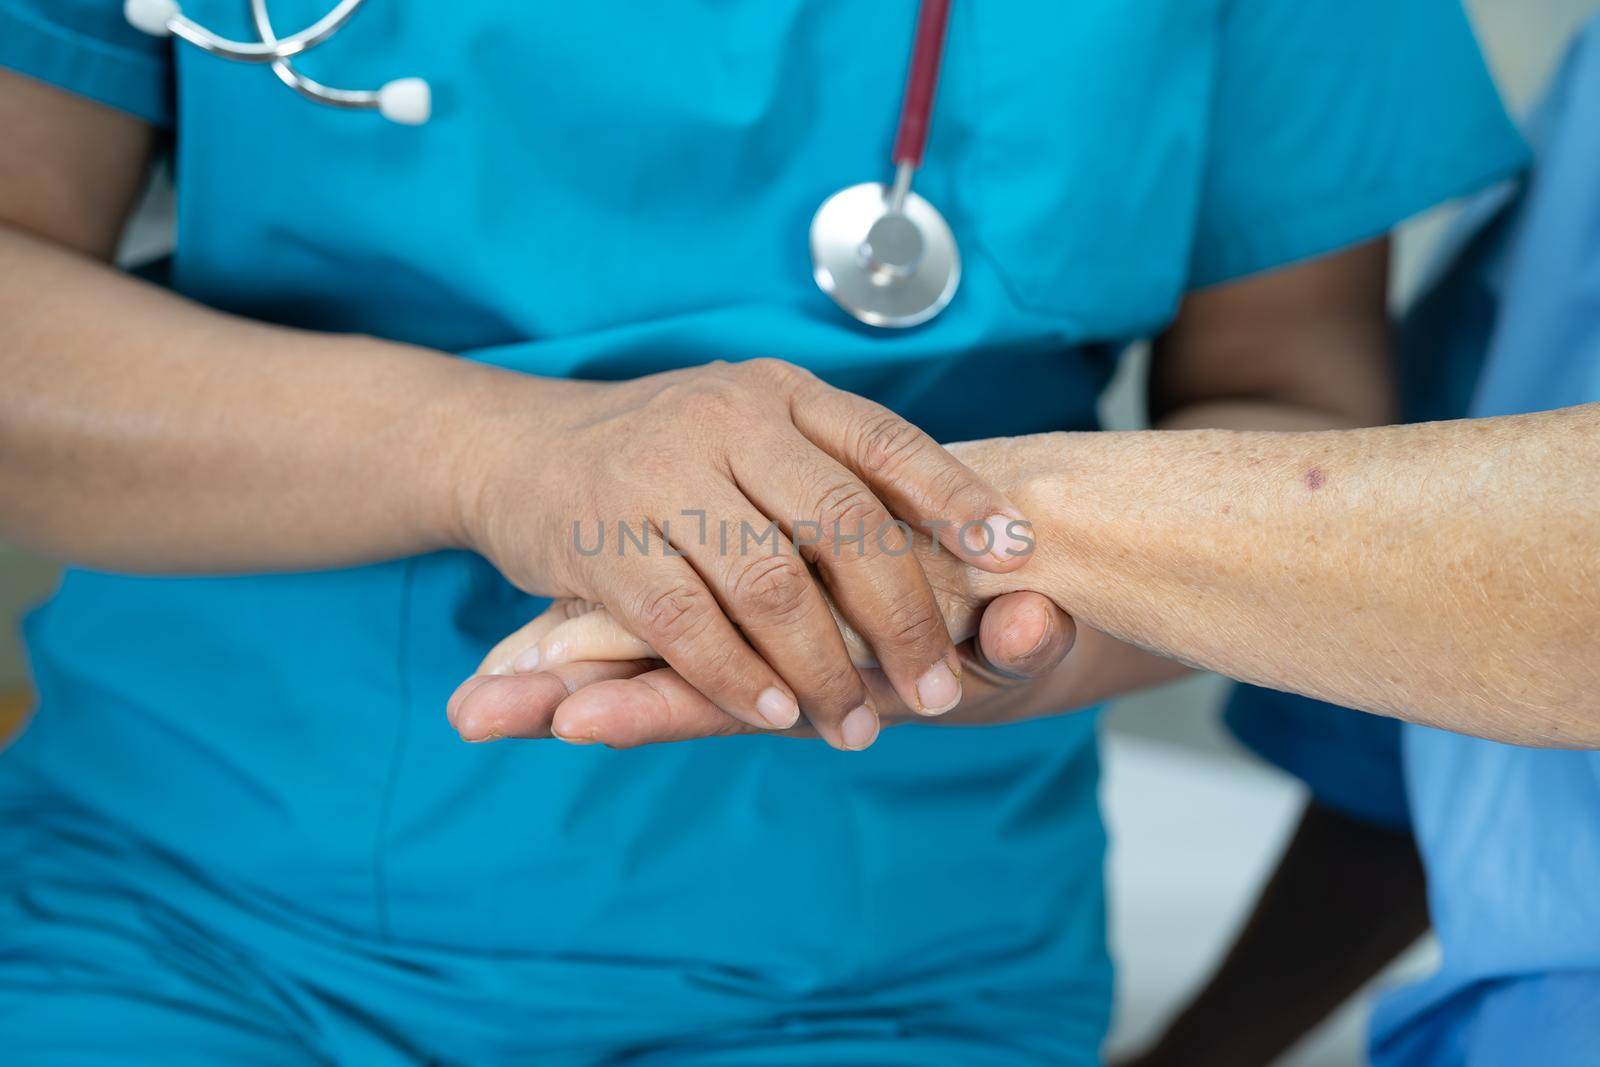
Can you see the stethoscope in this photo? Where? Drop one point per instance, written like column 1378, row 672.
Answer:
column 408, row 101
column 884, row 254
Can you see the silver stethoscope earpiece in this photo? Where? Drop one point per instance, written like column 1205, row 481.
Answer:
column 408, row 101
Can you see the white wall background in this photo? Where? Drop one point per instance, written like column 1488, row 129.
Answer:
column 1197, row 826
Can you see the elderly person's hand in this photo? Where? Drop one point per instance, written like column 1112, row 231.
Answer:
column 600, row 684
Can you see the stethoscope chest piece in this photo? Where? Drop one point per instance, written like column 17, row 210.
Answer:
column 886, row 263
column 882, row 252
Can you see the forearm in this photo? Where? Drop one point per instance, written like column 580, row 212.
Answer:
column 1100, row 666
column 1444, row 573
column 142, row 432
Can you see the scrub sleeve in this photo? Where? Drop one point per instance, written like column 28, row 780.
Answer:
column 1333, row 122
column 88, row 48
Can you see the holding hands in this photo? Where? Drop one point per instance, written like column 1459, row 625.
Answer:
column 703, row 507
column 580, row 673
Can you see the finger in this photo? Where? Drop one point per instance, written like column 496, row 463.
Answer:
column 662, row 600
column 592, row 635
column 1025, row 635
column 656, row 707
column 766, row 588
column 860, row 654
column 488, row 707
column 597, row 635
column 916, row 477
column 865, row 559
column 981, row 687
column 502, row 658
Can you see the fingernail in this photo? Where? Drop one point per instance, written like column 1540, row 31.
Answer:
column 859, row 729
column 1004, row 543
column 778, row 708
column 938, row 690
column 1016, row 634
column 559, row 736
column 474, row 734
column 527, row 661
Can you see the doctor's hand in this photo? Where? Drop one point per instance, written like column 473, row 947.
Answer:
column 694, row 505
column 606, row 687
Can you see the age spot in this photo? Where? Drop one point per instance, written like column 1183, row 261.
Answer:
column 1315, row 479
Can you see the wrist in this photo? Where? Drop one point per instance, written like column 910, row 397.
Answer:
column 497, row 443
column 1031, row 471
column 1143, row 534
column 1109, row 514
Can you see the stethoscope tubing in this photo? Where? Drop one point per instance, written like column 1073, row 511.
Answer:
column 309, row 88
column 922, row 81
column 271, row 48
column 408, row 101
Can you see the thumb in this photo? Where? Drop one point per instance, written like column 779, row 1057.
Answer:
column 1025, row 635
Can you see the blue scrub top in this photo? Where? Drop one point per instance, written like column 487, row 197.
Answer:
column 1510, row 836
column 610, row 189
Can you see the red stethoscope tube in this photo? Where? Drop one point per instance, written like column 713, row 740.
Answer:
column 916, row 111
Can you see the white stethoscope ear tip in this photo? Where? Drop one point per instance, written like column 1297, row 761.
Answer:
column 408, row 101
column 151, row 16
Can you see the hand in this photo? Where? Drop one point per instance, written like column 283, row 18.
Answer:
column 563, row 654
column 707, row 460
column 607, row 688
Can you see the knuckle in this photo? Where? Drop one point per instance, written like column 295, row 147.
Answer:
column 709, row 403
column 723, row 669
column 950, row 492
column 840, row 690
column 775, row 371
column 772, row 588
column 885, row 442
column 674, row 613
column 848, row 508
column 908, row 624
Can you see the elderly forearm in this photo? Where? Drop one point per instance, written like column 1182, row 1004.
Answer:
column 1447, row 573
